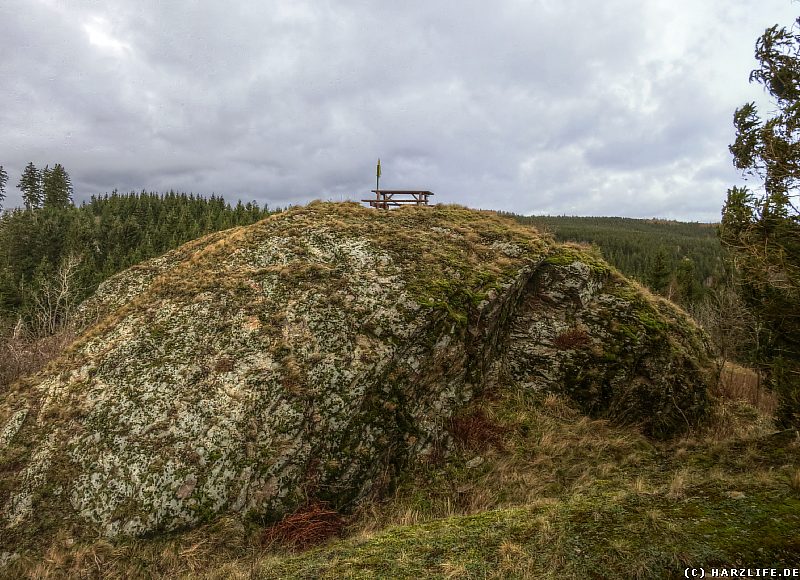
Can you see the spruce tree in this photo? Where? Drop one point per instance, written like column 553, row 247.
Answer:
column 56, row 186
column 30, row 184
column 763, row 229
column 659, row 272
column 688, row 287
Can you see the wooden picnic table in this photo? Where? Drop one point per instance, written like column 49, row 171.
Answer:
column 384, row 198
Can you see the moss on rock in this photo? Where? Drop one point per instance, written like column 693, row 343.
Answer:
column 621, row 353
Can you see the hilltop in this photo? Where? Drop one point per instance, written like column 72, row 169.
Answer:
column 328, row 355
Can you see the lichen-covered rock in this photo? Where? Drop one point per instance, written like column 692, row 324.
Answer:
column 583, row 330
column 314, row 354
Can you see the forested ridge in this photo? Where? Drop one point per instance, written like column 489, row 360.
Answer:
column 653, row 251
column 42, row 248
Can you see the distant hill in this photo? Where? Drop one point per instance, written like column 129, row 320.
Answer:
column 632, row 244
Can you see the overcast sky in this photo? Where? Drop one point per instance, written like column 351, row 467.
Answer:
column 579, row 107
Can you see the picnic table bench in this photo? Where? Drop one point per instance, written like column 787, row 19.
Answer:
column 384, row 198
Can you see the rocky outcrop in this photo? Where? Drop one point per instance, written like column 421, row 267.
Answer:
column 314, row 354
column 619, row 352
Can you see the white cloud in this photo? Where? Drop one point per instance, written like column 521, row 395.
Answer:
column 98, row 31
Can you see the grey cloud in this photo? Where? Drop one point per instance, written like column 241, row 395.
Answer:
column 566, row 107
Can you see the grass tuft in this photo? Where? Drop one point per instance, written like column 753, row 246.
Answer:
column 794, row 479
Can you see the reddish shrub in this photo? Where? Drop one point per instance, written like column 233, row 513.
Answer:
column 310, row 525
column 476, row 430
column 575, row 338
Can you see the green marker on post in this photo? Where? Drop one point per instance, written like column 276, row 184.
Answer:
column 378, row 175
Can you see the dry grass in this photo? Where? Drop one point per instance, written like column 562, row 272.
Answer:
column 679, row 484
column 731, row 420
column 742, row 409
column 794, row 479
column 738, row 383
column 640, row 485
column 21, row 356
column 223, row 549
column 547, row 451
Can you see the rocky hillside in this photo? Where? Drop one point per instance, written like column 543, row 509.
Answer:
column 316, row 355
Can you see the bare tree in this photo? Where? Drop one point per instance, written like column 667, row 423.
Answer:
column 54, row 299
column 732, row 327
